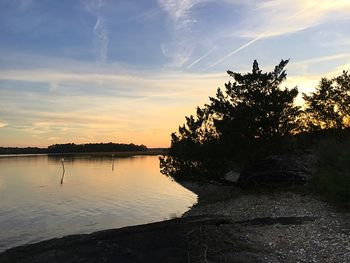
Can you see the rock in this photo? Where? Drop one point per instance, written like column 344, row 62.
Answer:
column 231, row 177
column 283, row 170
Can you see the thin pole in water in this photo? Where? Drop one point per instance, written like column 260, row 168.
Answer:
column 63, row 170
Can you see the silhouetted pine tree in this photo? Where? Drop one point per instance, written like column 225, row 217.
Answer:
column 329, row 106
column 235, row 127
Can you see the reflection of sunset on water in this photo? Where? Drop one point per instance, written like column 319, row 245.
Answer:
column 91, row 197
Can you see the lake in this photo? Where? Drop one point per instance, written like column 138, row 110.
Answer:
column 38, row 201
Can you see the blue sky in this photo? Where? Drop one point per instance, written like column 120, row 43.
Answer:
column 129, row 71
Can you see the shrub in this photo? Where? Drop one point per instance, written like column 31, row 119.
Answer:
column 329, row 106
column 332, row 172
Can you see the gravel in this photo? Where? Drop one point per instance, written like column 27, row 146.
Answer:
column 325, row 238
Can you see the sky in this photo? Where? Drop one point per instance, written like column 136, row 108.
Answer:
column 129, row 71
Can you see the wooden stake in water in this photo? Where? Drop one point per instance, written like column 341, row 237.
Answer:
column 63, row 170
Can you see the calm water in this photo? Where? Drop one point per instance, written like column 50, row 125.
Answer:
column 96, row 193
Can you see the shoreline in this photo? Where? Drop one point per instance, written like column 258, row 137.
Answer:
column 115, row 153
column 225, row 224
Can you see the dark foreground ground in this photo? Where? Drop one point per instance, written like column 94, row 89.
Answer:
column 190, row 239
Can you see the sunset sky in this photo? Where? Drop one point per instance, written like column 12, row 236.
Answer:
column 130, row 70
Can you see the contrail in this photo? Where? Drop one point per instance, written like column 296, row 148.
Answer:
column 237, row 50
column 199, row 59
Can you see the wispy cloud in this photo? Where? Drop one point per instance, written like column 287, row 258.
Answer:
column 320, row 59
column 273, row 18
column 134, row 84
column 148, row 14
column 179, row 49
column 101, row 38
column 280, row 17
column 180, row 11
column 338, row 70
column 307, row 83
column 166, row 99
column 100, row 31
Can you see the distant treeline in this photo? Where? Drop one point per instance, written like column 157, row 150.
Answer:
column 26, row 150
column 75, row 148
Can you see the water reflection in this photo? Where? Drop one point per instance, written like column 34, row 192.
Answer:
column 63, row 170
column 62, row 177
column 86, row 157
column 62, row 161
column 112, row 162
column 100, row 192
